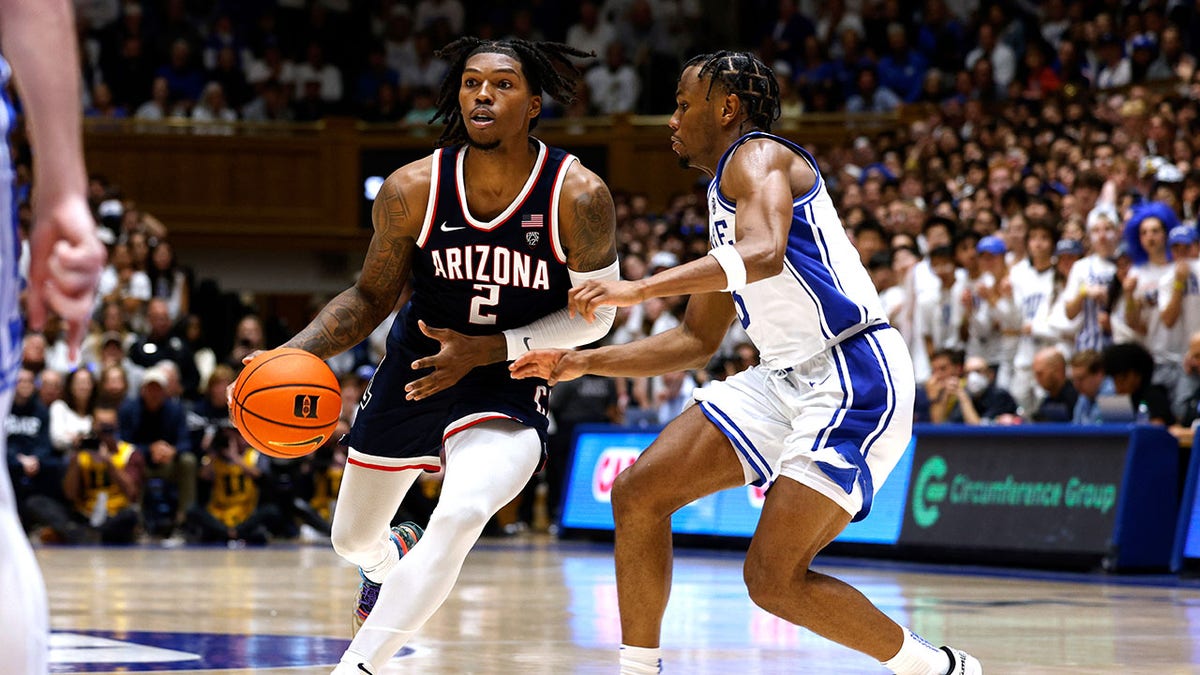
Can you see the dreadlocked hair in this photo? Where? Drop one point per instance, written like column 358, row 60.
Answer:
column 547, row 66
column 746, row 77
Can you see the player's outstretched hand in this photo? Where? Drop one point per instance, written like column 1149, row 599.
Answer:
column 459, row 353
column 552, row 365
column 65, row 262
column 591, row 295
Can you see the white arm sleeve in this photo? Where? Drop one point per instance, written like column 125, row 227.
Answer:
column 558, row 329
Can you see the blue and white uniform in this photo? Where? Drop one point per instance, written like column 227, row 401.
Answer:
column 831, row 404
column 11, row 280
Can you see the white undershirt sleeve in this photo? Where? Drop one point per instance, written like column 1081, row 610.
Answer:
column 558, row 329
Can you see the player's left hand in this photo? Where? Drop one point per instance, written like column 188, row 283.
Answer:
column 459, row 353
column 552, row 365
column 591, row 295
column 66, row 259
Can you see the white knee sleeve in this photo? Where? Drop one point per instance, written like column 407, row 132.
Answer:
column 486, row 466
column 367, row 501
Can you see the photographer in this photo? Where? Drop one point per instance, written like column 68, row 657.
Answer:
column 304, row 491
column 103, row 484
column 232, row 512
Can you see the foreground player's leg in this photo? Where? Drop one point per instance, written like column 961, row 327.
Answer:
column 486, row 466
column 780, row 580
column 689, row 460
column 367, row 502
column 24, row 625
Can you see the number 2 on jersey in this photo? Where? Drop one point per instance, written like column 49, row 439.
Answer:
column 490, row 299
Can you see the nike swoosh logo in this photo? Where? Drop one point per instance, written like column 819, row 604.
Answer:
column 314, row 441
column 364, row 669
column 527, row 347
column 451, row 229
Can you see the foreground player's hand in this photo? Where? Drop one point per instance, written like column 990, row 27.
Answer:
column 65, row 262
column 552, row 365
column 229, row 387
column 458, row 354
column 587, row 297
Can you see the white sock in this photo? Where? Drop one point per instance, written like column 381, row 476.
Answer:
column 641, row 660
column 391, row 556
column 918, row 657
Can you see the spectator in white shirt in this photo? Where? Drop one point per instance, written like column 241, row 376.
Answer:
column 1087, row 292
column 1115, row 70
column 614, row 84
column 326, row 75
column 431, row 11
column 942, row 314
column 1033, row 293
column 1179, row 291
column 1146, row 241
column 1002, row 57
column 591, row 33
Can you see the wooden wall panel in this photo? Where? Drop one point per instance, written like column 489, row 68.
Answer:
column 300, row 187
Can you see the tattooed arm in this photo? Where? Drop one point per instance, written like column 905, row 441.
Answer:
column 397, row 214
column 587, row 221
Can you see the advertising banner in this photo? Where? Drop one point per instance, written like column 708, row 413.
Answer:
column 601, row 453
column 1006, row 491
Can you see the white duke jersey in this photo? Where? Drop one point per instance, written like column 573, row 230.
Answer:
column 822, row 296
column 10, row 251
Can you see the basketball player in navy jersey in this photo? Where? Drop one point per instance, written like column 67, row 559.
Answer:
column 494, row 229
column 65, row 259
column 823, row 419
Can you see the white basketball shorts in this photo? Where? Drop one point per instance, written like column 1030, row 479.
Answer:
column 837, row 423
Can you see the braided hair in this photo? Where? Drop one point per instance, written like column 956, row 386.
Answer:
column 547, row 66
column 746, row 77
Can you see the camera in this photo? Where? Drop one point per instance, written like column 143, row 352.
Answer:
column 89, row 442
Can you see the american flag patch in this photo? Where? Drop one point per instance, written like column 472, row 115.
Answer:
column 532, row 220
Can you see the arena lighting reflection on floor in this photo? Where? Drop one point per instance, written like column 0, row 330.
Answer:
column 709, row 606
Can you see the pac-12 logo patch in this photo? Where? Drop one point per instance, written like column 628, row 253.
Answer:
column 532, row 238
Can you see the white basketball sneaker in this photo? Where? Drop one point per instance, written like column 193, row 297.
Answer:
column 962, row 663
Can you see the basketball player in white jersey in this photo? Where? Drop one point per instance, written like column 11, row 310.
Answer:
column 64, row 267
column 823, row 419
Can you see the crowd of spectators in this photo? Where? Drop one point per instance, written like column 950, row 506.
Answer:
column 280, row 60
column 1032, row 231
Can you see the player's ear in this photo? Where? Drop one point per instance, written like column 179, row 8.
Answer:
column 731, row 105
column 535, row 107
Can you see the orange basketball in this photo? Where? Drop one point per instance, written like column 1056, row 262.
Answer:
column 286, row 402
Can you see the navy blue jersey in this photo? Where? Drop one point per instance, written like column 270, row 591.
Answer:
column 477, row 278
column 480, row 278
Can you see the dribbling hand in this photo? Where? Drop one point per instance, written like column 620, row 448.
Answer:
column 552, row 365
column 586, row 298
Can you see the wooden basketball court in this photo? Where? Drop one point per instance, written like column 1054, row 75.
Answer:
column 535, row 605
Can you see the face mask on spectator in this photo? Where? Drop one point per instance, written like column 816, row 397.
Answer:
column 976, row 383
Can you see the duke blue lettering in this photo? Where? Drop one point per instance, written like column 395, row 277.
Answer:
column 830, row 406
column 477, row 278
column 823, row 277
